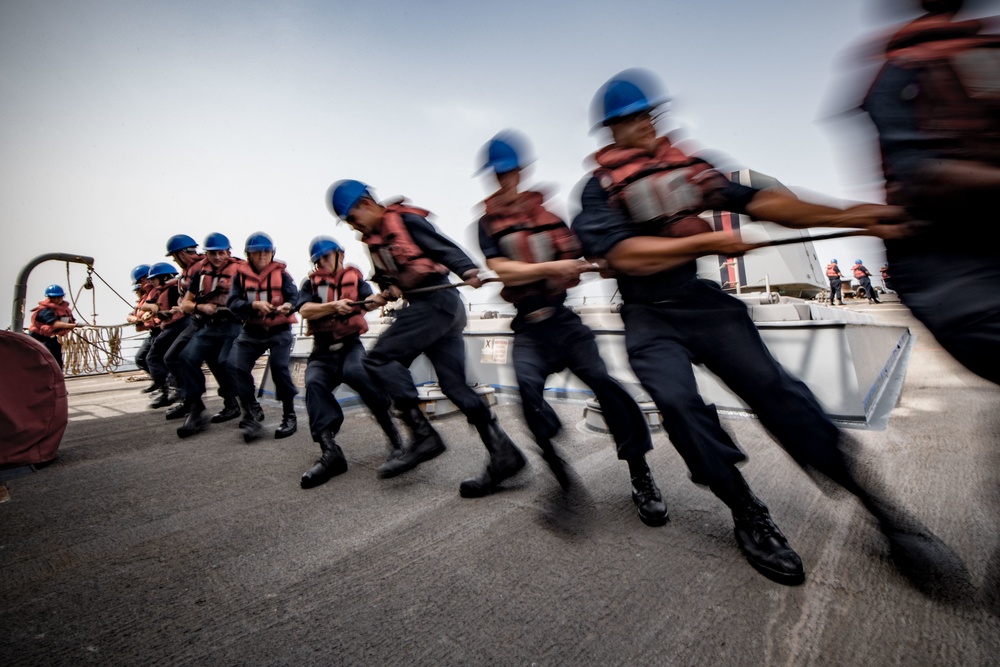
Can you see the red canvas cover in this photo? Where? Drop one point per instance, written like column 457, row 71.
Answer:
column 33, row 404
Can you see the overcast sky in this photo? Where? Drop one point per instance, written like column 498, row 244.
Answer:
column 123, row 123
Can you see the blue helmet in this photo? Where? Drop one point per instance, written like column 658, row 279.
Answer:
column 344, row 195
column 54, row 290
column 833, row 261
column 505, row 152
column 858, row 261
column 216, row 241
column 321, row 246
column 259, row 242
column 626, row 93
column 139, row 272
column 162, row 269
column 179, row 242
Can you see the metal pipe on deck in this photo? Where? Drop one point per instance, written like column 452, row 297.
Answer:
column 21, row 285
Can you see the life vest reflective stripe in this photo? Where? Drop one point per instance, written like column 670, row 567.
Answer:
column 832, row 271
column 345, row 283
column 63, row 312
column 394, row 252
column 665, row 187
column 525, row 231
column 214, row 283
column 265, row 286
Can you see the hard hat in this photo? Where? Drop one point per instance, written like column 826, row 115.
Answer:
column 858, row 261
column 179, row 242
column 833, row 261
column 216, row 241
column 162, row 269
column 505, row 152
column 259, row 242
column 322, row 245
column 626, row 93
column 139, row 272
column 54, row 290
column 344, row 195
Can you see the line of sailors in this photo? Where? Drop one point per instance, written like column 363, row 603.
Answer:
column 639, row 222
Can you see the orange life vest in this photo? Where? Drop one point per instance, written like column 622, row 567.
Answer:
column 161, row 297
column 958, row 70
column 832, row 270
column 189, row 275
column 665, row 188
column 214, row 283
column 525, row 231
column 265, row 286
column 147, row 323
column 63, row 312
column 860, row 271
column 394, row 252
column 345, row 283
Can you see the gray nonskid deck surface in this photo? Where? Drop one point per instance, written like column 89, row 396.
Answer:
column 136, row 547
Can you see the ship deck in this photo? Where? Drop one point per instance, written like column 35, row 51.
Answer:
column 136, row 547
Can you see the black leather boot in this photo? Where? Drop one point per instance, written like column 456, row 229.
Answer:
column 648, row 500
column 426, row 444
column 179, row 411
column 256, row 410
column 249, row 426
column 289, row 425
column 156, row 386
column 164, row 399
column 764, row 546
column 384, row 420
column 230, row 410
column 195, row 421
column 330, row 464
column 505, row 461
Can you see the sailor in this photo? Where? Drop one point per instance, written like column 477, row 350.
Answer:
column 410, row 256
column 886, row 278
column 538, row 258
column 52, row 319
column 263, row 295
column 834, row 276
column 184, row 251
column 327, row 301
column 863, row 276
column 936, row 105
column 217, row 329
column 141, row 320
column 163, row 304
column 640, row 212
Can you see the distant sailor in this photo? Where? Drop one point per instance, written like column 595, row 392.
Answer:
column 163, row 304
column 51, row 320
column 863, row 276
column 410, row 255
column 141, row 320
column 263, row 295
column 184, row 250
column 834, row 275
column 217, row 329
column 538, row 258
column 326, row 301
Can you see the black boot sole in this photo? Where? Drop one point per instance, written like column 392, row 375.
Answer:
column 279, row 434
column 321, row 479
column 650, row 520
